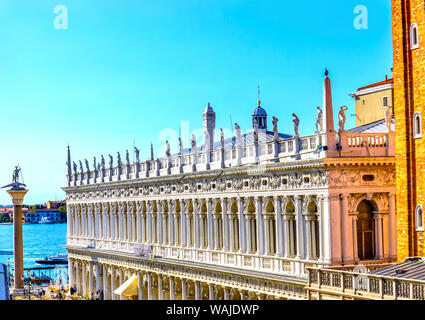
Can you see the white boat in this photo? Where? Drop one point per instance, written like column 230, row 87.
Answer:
column 46, row 220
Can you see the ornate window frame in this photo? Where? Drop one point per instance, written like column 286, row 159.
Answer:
column 414, row 35
column 417, row 125
column 419, row 218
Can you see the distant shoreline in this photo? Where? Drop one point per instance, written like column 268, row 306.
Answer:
column 5, row 223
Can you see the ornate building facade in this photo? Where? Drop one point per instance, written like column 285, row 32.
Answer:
column 241, row 218
column 409, row 101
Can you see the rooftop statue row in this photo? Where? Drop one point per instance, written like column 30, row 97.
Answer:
column 331, row 140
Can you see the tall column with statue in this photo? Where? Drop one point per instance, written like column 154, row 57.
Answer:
column 17, row 192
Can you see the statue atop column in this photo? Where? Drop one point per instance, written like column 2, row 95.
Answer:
column 319, row 120
column 342, row 118
column 275, row 129
column 296, row 122
column 102, row 163
column 81, row 167
column 16, row 185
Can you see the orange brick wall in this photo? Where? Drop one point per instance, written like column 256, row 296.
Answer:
column 409, row 97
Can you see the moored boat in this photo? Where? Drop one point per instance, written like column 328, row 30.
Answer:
column 59, row 259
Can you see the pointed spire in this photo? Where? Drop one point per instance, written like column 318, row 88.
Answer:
column 328, row 119
column 68, row 162
column 151, row 151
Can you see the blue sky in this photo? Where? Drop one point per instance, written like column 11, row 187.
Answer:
column 127, row 70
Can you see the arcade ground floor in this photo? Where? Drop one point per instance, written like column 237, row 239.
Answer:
column 123, row 276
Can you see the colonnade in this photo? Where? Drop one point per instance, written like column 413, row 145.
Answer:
column 278, row 226
column 91, row 277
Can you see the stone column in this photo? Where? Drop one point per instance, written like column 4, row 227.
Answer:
column 140, row 295
column 308, row 221
column 91, row 280
column 326, row 226
column 347, row 230
column 288, row 239
column 242, row 226
column 249, row 234
column 300, row 227
column 198, row 294
column 225, row 226
column 17, row 194
column 99, row 277
column 113, row 284
column 392, row 226
column 260, row 230
column 209, row 224
column 211, row 291
column 78, row 276
column 378, row 235
column 150, row 291
column 355, row 241
column 106, row 284
column 182, row 224
column 170, row 225
column 160, row 292
column 138, row 220
column 184, row 289
column 279, row 228
column 71, row 272
column 172, row 289
column 226, row 292
column 149, row 221
column 83, row 279
column 196, row 223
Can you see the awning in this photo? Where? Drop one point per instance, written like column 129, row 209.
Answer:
column 128, row 288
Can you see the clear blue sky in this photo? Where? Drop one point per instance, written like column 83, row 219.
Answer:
column 127, row 69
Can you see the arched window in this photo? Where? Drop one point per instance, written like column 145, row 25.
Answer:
column 417, row 125
column 419, row 218
column 414, row 36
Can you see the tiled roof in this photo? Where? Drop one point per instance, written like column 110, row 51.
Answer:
column 411, row 268
column 375, row 127
column 247, row 140
column 377, row 84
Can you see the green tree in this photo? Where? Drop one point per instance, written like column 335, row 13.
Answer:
column 62, row 209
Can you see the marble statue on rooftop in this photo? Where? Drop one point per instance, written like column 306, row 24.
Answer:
column 137, row 152
column 255, row 132
column 127, row 158
column 238, row 134
column 296, row 122
column 74, row 167
column 102, row 162
column 319, row 120
column 119, row 162
column 275, row 129
column 342, row 118
column 181, row 146
column 111, row 162
column 81, row 167
column 222, row 138
column 94, row 163
column 193, row 141
column 167, row 151
column 87, row 165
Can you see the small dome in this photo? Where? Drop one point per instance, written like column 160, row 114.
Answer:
column 259, row 111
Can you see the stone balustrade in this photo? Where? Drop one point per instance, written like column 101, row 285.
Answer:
column 353, row 285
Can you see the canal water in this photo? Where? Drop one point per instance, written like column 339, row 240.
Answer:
column 39, row 241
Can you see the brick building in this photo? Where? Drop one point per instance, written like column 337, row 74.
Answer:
column 409, row 102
